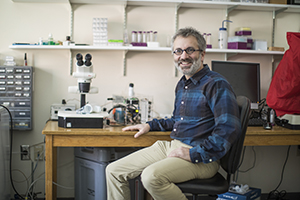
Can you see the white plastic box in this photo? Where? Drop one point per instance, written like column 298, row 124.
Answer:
column 260, row 45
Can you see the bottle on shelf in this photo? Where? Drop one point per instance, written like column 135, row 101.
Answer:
column 223, row 36
column 50, row 39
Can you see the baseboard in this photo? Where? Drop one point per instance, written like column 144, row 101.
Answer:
column 288, row 196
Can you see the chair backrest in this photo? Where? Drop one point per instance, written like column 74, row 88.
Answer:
column 231, row 160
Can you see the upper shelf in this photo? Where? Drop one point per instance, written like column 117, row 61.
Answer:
column 132, row 48
column 182, row 3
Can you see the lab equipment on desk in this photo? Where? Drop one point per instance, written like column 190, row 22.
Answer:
column 88, row 109
column 126, row 111
column 223, row 36
column 289, row 121
column 131, row 90
column 60, row 107
column 72, row 119
column 78, row 119
column 84, row 74
column 130, row 109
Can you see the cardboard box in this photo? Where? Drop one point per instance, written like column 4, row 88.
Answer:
column 275, row 48
column 278, row 1
column 252, row 194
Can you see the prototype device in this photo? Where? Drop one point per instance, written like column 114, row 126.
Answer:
column 290, row 121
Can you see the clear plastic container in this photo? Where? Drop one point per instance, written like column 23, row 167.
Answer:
column 133, row 36
column 144, row 37
column 155, row 36
column 139, row 36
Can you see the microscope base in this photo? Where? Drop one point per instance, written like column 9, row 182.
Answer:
column 69, row 119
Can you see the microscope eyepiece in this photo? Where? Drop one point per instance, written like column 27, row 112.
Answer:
column 79, row 59
column 88, row 58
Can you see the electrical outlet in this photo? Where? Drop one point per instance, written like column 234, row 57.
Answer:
column 25, row 152
column 38, row 153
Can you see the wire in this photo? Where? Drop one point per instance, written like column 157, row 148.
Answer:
column 287, row 157
column 65, row 187
column 275, row 194
column 254, row 162
column 74, row 99
column 28, row 193
column 26, row 179
column 243, row 155
column 235, row 178
column 10, row 155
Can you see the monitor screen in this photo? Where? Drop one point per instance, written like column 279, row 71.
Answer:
column 244, row 77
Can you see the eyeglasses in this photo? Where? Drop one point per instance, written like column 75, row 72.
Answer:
column 188, row 50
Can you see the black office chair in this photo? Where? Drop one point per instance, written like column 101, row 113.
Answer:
column 218, row 184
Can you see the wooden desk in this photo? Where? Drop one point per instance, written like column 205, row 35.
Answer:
column 114, row 137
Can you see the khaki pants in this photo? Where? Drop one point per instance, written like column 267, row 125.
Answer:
column 158, row 172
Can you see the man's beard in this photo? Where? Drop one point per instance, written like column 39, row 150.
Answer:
column 193, row 69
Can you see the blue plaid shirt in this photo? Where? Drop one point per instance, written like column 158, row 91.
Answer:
column 205, row 116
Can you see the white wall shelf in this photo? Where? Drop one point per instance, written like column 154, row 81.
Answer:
column 133, row 48
column 183, row 3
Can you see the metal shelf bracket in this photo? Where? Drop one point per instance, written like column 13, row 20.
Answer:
column 176, row 15
column 124, row 63
column 275, row 12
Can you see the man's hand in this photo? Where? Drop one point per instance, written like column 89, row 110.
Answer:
column 181, row 152
column 142, row 128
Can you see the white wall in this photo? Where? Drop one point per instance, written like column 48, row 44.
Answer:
column 151, row 72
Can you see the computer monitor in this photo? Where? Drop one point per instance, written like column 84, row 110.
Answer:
column 244, row 77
